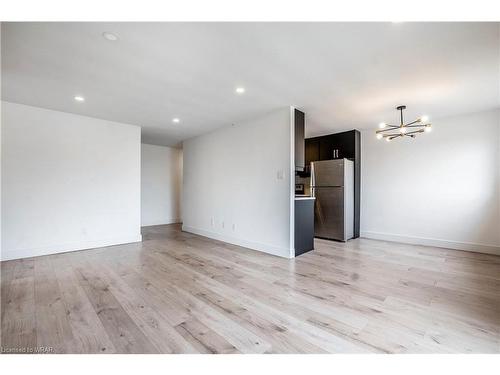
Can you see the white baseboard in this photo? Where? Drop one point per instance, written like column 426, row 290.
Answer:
column 265, row 248
column 465, row 246
column 64, row 248
column 161, row 222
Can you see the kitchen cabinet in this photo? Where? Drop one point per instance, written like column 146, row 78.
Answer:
column 344, row 144
column 332, row 146
column 312, row 151
column 325, row 148
column 300, row 122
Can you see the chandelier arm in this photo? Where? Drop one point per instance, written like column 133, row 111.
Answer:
column 395, row 136
column 413, row 122
column 415, row 132
column 416, row 126
column 387, row 130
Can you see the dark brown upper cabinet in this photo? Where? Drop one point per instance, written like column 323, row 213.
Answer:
column 332, row 146
column 325, row 148
column 300, row 122
column 312, row 150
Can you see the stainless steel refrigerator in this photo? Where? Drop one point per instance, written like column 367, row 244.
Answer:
column 332, row 184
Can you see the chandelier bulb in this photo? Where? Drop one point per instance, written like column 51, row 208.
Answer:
column 382, row 125
column 379, row 136
column 428, row 128
column 403, row 130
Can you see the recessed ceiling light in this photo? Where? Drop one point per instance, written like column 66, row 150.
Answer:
column 109, row 36
column 240, row 90
column 79, row 98
column 176, row 120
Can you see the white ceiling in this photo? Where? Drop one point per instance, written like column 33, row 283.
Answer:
column 344, row 75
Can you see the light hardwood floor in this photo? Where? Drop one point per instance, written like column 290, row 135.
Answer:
column 181, row 293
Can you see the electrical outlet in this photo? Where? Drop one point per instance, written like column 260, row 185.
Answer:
column 234, row 227
column 280, row 175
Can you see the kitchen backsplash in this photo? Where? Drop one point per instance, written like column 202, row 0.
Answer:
column 306, row 181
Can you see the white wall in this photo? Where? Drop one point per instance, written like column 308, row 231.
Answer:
column 0, row 143
column 68, row 182
column 237, row 184
column 161, row 184
column 438, row 189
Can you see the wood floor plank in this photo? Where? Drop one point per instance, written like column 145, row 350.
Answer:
column 19, row 332
column 156, row 297
column 8, row 272
column 174, row 291
column 278, row 336
column 52, row 325
column 309, row 332
column 177, row 292
column 88, row 331
column 204, row 339
column 155, row 327
column 123, row 332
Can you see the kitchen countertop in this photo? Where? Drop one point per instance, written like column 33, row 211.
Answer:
column 303, row 197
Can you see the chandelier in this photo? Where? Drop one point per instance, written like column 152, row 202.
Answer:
column 389, row 132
